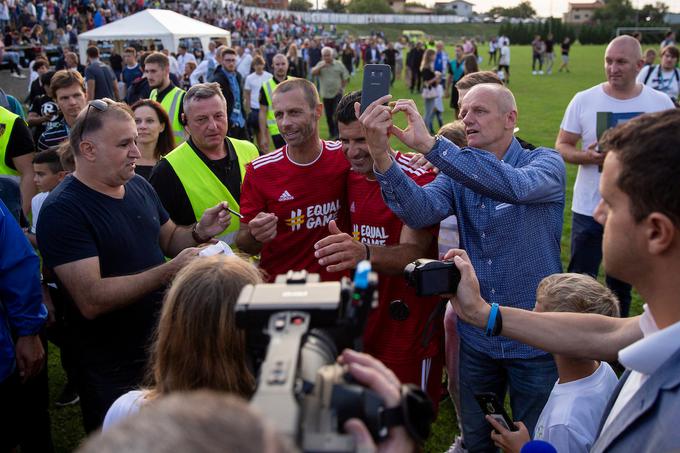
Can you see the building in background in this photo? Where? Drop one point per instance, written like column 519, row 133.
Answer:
column 580, row 13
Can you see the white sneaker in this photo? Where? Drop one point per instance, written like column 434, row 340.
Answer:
column 17, row 76
column 457, row 446
column 540, row 72
column 533, row 72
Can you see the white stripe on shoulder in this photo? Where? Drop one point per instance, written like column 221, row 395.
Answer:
column 333, row 145
column 267, row 159
column 403, row 161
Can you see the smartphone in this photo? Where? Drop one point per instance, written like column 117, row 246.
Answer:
column 376, row 83
column 490, row 405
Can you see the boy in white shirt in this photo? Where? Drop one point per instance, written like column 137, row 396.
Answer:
column 571, row 417
column 48, row 173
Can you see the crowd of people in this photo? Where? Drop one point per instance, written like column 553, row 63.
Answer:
column 127, row 169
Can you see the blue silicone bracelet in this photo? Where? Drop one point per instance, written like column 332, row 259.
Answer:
column 491, row 323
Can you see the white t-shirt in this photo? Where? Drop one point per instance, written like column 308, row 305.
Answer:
column 667, row 82
column 253, row 84
column 589, row 114
column 36, row 204
column 505, row 56
column 182, row 60
column 571, row 417
column 244, row 64
column 126, row 405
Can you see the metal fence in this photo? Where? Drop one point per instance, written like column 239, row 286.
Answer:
column 337, row 18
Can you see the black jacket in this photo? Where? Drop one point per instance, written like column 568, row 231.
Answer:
column 221, row 78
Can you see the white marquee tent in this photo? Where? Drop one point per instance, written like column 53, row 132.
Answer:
column 150, row 24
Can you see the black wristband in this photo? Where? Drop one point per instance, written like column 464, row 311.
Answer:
column 499, row 324
column 368, row 252
column 196, row 237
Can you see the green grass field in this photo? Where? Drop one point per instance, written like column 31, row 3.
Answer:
column 541, row 102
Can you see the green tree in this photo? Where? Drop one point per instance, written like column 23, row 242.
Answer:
column 369, row 7
column 653, row 14
column 616, row 11
column 522, row 11
column 337, row 6
column 300, row 5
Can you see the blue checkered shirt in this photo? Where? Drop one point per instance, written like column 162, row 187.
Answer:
column 510, row 215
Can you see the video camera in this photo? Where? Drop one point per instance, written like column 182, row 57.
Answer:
column 295, row 328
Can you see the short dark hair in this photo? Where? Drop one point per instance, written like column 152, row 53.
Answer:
column 475, row 78
column 157, row 58
column 49, row 157
column 651, row 183
column 92, row 52
column 672, row 50
column 39, row 63
column 228, row 51
column 65, row 78
column 46, row 78
column 95, row 120
column 309, row 92
column 344, row 113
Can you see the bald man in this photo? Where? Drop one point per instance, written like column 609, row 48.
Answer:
column 588, row 115
column 509, row 203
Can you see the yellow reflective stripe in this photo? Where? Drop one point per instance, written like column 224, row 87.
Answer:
column 7, row 120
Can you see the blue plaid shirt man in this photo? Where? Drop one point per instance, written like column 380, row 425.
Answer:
column 510, row 215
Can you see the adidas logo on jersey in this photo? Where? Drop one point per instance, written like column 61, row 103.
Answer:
column 285, row 196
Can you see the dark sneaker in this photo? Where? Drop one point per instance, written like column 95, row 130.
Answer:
column 68, row 397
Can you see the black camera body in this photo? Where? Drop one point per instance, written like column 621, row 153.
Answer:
column 432, row 277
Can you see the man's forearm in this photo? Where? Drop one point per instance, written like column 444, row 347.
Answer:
column 392, row 260
column 571, row 154
column 108, row 294
column 247, row 243
column 572, row 334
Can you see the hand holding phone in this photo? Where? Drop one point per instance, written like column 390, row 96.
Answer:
column 490, row 405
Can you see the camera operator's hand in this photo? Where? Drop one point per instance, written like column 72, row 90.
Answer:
column 509, row 441
column 375, row 375
column 468, row 302
column 339, row 251
column 263, row 227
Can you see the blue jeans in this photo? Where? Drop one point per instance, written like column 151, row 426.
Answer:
column 529, row 381
column 586, row 255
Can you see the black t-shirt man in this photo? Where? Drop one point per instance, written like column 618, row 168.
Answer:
column 77, row 222
column 171, row 191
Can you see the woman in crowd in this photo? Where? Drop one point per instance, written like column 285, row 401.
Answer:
column 154, row 134
column 189, row 67
column 197, row 344
column 470, row 64
column 296, row 65
column 430, row 87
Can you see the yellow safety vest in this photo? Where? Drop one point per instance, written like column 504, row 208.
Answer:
column 269, row 87
column 203, row 188
column 7, row 120
column 171, row 102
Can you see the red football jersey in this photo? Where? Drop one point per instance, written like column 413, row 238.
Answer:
column 374, row 223
column 305, row 198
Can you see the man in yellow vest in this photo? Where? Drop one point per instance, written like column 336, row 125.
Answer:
column 206, row 169
column 268, row 125
column 16, row 154
column 157, row 72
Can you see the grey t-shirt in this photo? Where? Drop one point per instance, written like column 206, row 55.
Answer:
column 103, row 77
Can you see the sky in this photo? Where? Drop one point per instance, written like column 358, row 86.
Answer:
column 546, row 8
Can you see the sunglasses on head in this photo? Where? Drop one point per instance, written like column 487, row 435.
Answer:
column 99, row 104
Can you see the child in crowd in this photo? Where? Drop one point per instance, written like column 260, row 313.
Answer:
column 48, row 172
column 571, row 417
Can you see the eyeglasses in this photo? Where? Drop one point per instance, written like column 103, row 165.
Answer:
column 99, row 104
